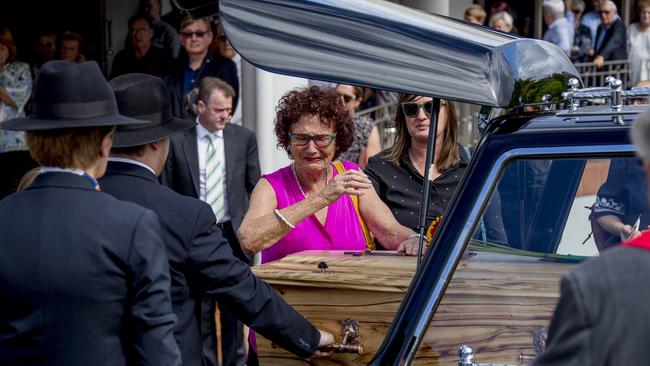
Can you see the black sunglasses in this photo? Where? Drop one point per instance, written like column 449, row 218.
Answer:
column 411, row 109
column 347, row 98
column 199, row 34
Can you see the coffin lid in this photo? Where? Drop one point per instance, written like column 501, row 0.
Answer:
column 385, row 273
column 384, row 45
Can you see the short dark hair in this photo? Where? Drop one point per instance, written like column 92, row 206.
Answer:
column 137, row 17
column 137, row 151
column 73, row 36
column 322, row 102
column 67, row 147
column 209, row 83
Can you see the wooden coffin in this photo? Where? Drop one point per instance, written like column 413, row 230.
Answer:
column 498, row 303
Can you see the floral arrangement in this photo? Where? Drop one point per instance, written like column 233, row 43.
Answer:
column 433, row 226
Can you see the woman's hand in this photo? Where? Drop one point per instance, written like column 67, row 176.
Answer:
column 410, row 246
column 350, row 182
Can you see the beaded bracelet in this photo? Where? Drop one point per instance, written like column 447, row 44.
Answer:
column 283, row 219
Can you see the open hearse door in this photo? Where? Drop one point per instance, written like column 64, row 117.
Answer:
column 543, row 162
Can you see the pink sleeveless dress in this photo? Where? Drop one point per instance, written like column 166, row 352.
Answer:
column 341, row 231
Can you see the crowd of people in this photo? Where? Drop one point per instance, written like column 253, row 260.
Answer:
column 164, row 136
column 596, row 37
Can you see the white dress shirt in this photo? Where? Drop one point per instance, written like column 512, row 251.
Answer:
column 202, row 145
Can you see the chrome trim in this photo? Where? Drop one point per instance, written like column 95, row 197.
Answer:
column 384, row 45
column 474, row 214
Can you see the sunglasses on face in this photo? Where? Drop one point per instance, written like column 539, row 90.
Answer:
column 411, row 109
column 347, row 98
column 198, row 34
column 301, row 139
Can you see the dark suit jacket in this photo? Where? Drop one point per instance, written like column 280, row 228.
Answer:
column 213, row 65
column 242, row 167
column 602, row 317
column 615, row 41
column 84, row 279
column 203, row 265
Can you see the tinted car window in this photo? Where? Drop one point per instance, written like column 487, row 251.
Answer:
column 502, row 295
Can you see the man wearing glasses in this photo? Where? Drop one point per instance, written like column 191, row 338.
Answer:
column 217, row 162
column 195, row 62
column 142, row 57
column 611, row 36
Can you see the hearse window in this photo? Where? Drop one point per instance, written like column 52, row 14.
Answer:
column 502, row 295
column 546, row 206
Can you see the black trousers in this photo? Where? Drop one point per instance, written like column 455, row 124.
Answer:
column 232, row 330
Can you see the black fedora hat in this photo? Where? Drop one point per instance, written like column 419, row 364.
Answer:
column 145, row 97
column 70, row 95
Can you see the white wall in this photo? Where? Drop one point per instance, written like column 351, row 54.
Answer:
column 261, row 92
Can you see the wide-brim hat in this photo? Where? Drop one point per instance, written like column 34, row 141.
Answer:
column 70, row 95
column 145, row 97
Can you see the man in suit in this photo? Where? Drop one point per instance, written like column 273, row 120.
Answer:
column 201, row 261
column 602, row 316
column 236, row 171
column 611, row 36
column 84, row 278
column 197, row 61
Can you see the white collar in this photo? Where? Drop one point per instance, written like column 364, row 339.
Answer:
column 201, row 131
column 131, row 161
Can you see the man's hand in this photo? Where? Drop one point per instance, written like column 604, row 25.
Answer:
column 326, row 339
column 599, row 61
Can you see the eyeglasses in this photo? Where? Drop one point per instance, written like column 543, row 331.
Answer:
column 601, row 12
column 347, row 98
column 411, row 109
column 301, row 139
column 198, row 34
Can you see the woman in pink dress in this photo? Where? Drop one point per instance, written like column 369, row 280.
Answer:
column 309, row 204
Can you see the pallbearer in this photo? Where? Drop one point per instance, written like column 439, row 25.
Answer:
column 83, row 277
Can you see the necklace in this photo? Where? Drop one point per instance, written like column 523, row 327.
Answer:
column 293, row 169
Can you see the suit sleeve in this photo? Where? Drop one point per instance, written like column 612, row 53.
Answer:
column 616, row 42
column 231, row 282
column 151, row 309
column 570, row 330
column 253, row 172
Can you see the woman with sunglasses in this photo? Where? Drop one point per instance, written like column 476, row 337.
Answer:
column 352, row 96
column 397, row 173
column 308, row 204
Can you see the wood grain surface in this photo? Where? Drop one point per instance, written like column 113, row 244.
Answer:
column 493, row 302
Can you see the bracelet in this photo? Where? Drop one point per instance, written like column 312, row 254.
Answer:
column 283, row 219
column 418, row 236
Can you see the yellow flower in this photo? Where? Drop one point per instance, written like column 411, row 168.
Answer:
column 433, row 226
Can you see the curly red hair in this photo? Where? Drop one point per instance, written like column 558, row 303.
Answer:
column 322, row 102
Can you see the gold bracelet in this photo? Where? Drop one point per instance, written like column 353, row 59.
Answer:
column 283, row 219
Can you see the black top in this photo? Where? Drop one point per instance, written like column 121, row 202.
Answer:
column 400, row 187
column 154, row 62
column 625, row 193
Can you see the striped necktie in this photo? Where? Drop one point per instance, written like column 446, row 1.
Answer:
column 213, row 177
